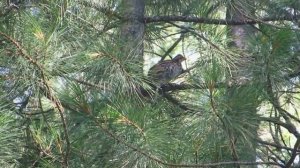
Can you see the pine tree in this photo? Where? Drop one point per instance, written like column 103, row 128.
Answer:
column 75, row 90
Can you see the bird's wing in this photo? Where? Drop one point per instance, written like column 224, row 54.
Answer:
column 159, row 67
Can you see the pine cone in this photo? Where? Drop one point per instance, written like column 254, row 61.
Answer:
column 166, row 70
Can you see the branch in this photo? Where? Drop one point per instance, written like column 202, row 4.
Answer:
column 199, row 36
column 275, row 102
column 183, row 86
column 86, row 83
column 173, row 46
column 106, row 11
column 294, row 153
column 291, row 128
column 152, row 19
column 175, row 101
column 49, row 92
column 37, row 113
column 292, row 75
column 159, row 161
column 8, row 9
column 85, row 21
column 231, row 138
column 274, row 156
column 274, row 145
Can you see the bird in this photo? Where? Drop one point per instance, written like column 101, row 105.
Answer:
column 166, row 70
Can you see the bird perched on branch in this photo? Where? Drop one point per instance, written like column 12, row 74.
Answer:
column 165, row 71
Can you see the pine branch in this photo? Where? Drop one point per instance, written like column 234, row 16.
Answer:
column 294, row 153
column 86, row 83
column 274, row 156
column 175, row 102
column 293, row 75
column 183, row 86
column 193, row 19
column 108, row 12
column 154, row 158
column 200, row 36
column 8, row 9
column 173, row 46
column 291, row 128
column 232, row 140
column 274, row 145
column 275, row 102
column 53, row 99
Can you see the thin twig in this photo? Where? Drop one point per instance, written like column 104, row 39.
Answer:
column 274, row 145
column 173, row 46
column 287, row 126
column 108, row 12
column 194, row 19
column 199, row 36
column 294, row 154
column 184, row 86
column 275, row 102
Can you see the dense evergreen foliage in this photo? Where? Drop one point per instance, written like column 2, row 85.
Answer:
column 75, row 91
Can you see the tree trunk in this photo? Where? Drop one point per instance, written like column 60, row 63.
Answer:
column 240, row 35
column 241, row 77
column 133, row 27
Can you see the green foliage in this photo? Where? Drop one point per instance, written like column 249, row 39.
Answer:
column 72, row 90
column 12, row 142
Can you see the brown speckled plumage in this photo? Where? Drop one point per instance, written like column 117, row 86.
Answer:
column 166, row 70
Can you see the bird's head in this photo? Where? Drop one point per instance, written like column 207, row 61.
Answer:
column 179, row 58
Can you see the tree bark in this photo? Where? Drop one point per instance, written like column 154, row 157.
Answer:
column 133, row 27
column 241, row 75
column 240, row 35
